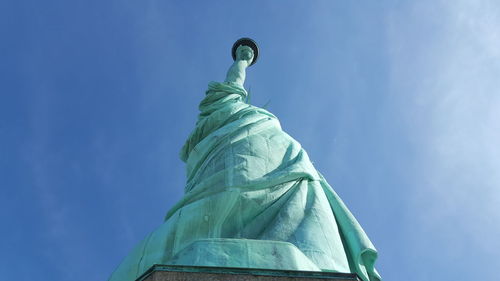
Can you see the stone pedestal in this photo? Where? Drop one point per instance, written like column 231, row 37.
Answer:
column 206, row 273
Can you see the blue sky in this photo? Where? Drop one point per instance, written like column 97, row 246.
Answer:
column 396, row 102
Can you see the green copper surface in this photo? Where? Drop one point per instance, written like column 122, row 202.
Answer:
column 251, row 190
column 250, row 253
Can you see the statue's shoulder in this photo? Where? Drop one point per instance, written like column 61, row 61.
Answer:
column 227, row 87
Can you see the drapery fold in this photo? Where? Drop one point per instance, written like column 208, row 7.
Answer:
column 248, row 179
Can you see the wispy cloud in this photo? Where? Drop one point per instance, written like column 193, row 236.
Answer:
column 445, row 72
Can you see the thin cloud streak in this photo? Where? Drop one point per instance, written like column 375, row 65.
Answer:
column 449, row 83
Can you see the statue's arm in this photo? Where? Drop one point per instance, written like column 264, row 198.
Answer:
column 237, row 72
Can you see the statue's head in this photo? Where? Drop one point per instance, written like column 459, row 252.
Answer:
column 245, row 48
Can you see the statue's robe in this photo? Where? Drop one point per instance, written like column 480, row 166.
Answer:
column 248, row 179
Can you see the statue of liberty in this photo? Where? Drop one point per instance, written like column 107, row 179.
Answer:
column 252, row 198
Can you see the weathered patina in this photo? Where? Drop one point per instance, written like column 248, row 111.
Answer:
column 252, row 198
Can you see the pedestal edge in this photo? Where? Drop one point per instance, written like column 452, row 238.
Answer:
column 249, row 271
